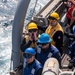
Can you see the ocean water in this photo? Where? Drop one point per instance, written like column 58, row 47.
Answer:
column 7, row 12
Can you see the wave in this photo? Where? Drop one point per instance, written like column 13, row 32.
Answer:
column 7, row 8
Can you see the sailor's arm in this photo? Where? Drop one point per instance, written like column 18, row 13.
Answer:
column 69, row 35
column 58, row 57
column 58, row 38
column 39, row 72
column 25, row 45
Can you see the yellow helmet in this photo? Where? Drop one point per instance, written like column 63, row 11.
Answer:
column 32, row 25
column 55, row 15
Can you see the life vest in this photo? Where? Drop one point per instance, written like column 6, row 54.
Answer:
column 33, row 69
column 52, row 30
column 69, row 12
column 43, row 56
column 33, row 44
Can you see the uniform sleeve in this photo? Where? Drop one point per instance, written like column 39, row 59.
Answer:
column 71, row 51
column 39, row 72
column 58, row 57
column 69, row 35
column 25, row 45
column 58, row 38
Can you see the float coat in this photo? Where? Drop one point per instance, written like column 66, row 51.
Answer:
column 43, row 56
column 33, row 69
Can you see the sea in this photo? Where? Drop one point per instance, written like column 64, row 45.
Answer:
column 7, row 12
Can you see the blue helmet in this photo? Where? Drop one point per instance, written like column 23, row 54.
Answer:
column 44, row 38
column 74, row 29
column 30, row 51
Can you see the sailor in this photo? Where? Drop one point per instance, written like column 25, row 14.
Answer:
column 70, row 35
column 72, row 52
column 71, row 18
column 68, row 3
column 46, row 50
column 31, row 66
column 31, row 39
column 55, row 31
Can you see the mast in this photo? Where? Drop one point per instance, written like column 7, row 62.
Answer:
column 17, row 32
